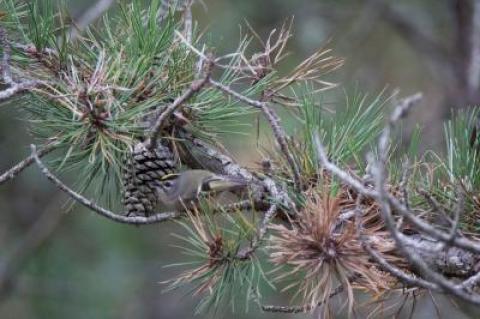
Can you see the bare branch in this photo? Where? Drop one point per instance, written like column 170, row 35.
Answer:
column 298, row 309
column 334, row 169
column 430, row 230
column 30, row 48
column 134, row 220
column 435, row 205
column 277, row 195
column 17, row 88
column 14, row 87
column 411, row 255
column 187, row 20
column 5, row 64
column 456, row 216
column 194, row 88
column 227, row 90
column 471, row 282
column 407, row 279
column 267, row 218
column 273, row 120
column 280, row 136
column 18, row 168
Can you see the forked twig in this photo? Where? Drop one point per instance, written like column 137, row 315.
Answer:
column 20, row 166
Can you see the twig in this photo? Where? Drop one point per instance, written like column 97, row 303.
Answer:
column 421, row 225
column 470, row 282
column 407, row 279
column 14, row 87
column 134, row 220
column 30, row 48
column 299, row 309
column 430, row 230
column 5, row 64
column 227, row 90
column 187, row 20
column 245, row 254
column 17, row 88
column 280, row 136
column 18, row 168
column 273, row 120
column 194, row 88
column 434, row 204
column 456, row 216
column 334, row 169
column 411, row 255
column 267, row 218
column 235, row 207
column 404, row 183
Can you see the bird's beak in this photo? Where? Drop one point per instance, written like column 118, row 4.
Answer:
column 223, row 184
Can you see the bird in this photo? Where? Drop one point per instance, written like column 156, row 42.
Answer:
column 180, row 191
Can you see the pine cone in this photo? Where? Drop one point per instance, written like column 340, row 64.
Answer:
column 143, row 174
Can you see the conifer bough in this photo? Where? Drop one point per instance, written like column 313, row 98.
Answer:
column 136, row 96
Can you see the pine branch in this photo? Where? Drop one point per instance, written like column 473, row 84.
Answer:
column 121, row 218
column 15, row 87
column 274, row 122
column 195, row 87
column 411, row 249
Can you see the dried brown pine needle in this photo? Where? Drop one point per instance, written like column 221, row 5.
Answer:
column 211, row 241
column 322, row 249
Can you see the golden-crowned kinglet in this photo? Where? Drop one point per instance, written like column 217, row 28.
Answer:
column 183, row 189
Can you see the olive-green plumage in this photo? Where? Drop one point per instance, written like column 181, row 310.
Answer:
column 188, row 185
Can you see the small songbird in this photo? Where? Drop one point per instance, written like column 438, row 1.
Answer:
column 183, row 189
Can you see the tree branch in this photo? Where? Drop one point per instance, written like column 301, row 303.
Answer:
column 134, row 220
column 298, row 309
column 194, row 88
column 415, row 259
column 18, row 168
column 274, row 121
column 14, row 87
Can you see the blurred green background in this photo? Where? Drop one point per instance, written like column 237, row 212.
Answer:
column 88, row 267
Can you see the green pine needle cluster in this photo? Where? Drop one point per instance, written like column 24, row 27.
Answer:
column 215, row 272
column 103, row 89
